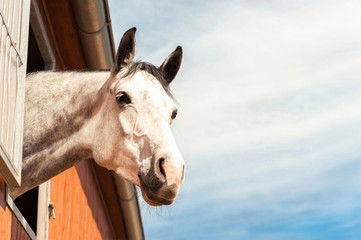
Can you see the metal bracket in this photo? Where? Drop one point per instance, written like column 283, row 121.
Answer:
column 51, row 210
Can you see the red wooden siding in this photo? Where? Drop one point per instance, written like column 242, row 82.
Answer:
column 79, row 209
column 10, row 227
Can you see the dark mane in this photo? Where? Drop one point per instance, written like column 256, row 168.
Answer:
column 138, row 66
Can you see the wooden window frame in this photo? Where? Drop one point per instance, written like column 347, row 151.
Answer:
column 47, row 54
column 42, row 230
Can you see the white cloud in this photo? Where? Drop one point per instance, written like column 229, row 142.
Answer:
column 264, row 56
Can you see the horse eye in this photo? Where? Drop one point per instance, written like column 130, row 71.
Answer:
column 174, row 114
column 123, row 98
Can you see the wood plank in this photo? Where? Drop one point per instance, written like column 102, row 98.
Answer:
column 10, row 227
column 79, row 209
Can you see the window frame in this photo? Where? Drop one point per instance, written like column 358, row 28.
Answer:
column 42, row 230
column 36, row 22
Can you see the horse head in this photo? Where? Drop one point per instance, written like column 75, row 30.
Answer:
column 133, row 135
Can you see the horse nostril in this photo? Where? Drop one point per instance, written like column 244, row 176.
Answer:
column 160, row 163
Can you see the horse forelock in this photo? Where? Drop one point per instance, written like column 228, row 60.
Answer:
column 149, row 68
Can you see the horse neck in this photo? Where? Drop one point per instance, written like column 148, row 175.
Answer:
column 58, row 106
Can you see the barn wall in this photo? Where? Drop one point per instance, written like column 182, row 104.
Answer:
column 79, row 209
column 10, row 227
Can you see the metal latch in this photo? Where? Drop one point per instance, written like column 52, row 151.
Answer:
column 51, row 210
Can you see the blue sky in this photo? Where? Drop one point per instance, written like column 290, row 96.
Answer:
column 269, row 116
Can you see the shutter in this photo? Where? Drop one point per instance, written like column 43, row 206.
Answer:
column 14, row 24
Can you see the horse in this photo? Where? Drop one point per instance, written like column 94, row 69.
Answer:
column 120, row 118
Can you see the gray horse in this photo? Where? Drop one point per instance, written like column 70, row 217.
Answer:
column 120, row 118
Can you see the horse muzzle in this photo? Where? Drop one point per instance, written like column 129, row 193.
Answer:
column 161, row 184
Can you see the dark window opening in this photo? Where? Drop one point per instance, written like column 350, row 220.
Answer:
column 35, row 60
column 28, row 206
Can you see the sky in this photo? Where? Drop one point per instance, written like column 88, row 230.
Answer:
column 269, row 119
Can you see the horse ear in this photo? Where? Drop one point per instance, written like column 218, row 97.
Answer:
column 171, row 64
column 126, row 51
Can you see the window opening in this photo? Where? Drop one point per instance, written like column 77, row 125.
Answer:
column 36, row 62
column 28, row 206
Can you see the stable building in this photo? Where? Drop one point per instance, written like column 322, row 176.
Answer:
column 86, row 201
